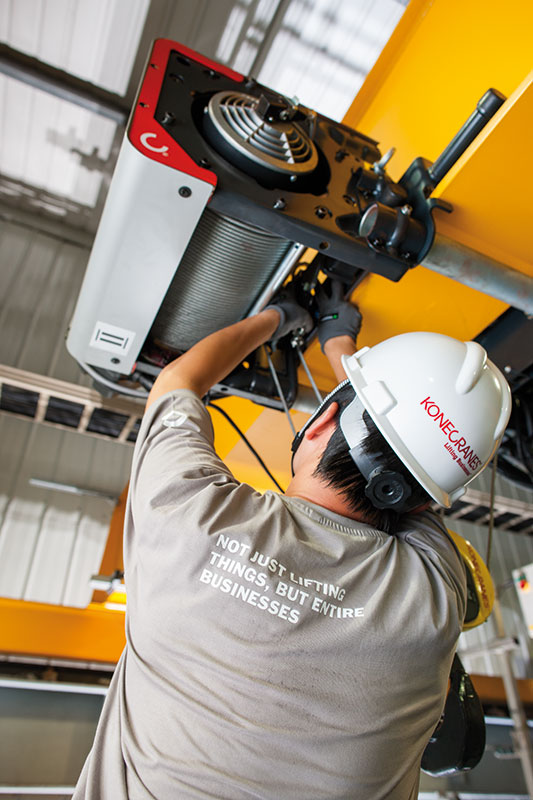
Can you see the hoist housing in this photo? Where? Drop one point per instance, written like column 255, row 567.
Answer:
column 220, row 185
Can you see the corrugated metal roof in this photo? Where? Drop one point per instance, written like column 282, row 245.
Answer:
column 80, row 37
column 321, row 51
column 52, row 144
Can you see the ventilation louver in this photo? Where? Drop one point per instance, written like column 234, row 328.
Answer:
column 283, row 146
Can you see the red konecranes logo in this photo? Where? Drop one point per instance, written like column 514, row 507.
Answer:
column 456, row 444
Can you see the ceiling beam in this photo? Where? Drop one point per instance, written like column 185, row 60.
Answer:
column 62, row 84
column 56, row 228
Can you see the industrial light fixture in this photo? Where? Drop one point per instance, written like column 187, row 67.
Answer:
column 114, row 586
column 71, row 489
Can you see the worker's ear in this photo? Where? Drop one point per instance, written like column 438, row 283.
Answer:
column 323, row 422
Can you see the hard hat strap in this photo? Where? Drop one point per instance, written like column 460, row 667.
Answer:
column 296, row 442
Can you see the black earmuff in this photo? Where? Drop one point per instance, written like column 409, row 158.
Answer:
column 385, row 488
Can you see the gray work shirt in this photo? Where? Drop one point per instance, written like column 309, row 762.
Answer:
column 275, row 650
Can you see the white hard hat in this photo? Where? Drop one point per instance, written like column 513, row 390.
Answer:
column 441, row 404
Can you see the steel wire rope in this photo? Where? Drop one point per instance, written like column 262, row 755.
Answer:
column 491, row 508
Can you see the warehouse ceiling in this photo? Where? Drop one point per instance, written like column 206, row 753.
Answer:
column 57, row 156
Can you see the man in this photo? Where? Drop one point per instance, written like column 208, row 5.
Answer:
column 287, row 646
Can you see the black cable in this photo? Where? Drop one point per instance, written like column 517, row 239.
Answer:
column 246, row 442
column 491, row 508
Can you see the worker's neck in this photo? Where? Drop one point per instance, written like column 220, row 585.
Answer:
column 314, row 490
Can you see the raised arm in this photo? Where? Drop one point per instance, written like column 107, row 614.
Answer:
column 338, row 327
column 212, row 358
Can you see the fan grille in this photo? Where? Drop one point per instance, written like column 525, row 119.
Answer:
column 280, row 146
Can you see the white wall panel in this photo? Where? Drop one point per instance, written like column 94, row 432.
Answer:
column 39, row 283
column 18, row 539
column 51, row 543
column 93, row 39
column 85, row 559
column 52, row 556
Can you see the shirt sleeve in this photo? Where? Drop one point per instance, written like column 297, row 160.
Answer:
column 427, row 533
column 174, row 454
column 180, row 490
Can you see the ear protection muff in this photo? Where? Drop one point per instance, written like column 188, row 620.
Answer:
column 384, row 488
column 387, row 489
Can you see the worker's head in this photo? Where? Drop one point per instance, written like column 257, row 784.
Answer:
column 420, row 416
column 337, row 468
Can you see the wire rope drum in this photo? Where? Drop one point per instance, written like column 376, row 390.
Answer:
column 225, row 267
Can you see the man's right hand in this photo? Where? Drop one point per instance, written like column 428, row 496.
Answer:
column 338, row 317
column 291, row 315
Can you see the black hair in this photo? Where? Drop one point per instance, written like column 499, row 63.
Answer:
column 337, row 469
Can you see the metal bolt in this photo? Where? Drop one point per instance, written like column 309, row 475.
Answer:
column 293, row 178
column 168, row 117
column 280, row 204
column 322, row 211
column 204, row 163
column 380, row 165
column 115, row 360
column 297, row 339
column 507, row 369
column 184, row 191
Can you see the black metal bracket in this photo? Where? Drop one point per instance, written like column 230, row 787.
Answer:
column 407, row 233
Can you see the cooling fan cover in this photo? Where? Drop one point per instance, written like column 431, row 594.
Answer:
column 276, row 144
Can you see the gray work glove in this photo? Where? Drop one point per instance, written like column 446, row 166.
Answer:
column 292, row 316
column 338, row 317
